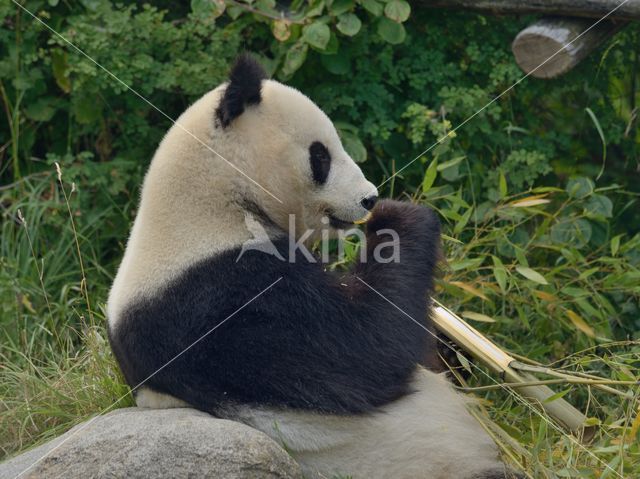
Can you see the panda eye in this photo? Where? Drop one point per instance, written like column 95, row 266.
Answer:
column 320, row 162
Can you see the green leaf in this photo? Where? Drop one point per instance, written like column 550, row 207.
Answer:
column 464, row 362
column 60, row 68
column 372, row 6
column 599, row 205
column 333, row 46
column 317, row 35
column 595, row 121
column 463, row 220
column 392, row 32
column 521, row 257
column 316, row 8
column 574, row 292
column 531, row 274
column 295, row 58
column 579, row 187
column 343, row 126
column 472, row 263
column 556, row 396
column 338, row 64
column 203, row 8
column 85, row 109
column 91, row 5
column 42, row 109
column 234, row 12
column 397, row 10
column 430, row 176
column 450, row 163
column 500, row 273
column 503, row 185
column 585, row 274
column 338, row 7
column 615, row 244
column 266, row 5
column 353, row 146
column 349, row 24
column 571, row 231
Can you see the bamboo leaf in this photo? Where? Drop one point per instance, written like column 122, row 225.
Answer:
column 548, row 297
column 580, row 324
column 450, row 163
column 463, row 221
column 464, row 362
column 556, row 396
column 503, row 185
column 430, row 176
column 635, row 426
column 531, row 274
column 469, row 289
column 500, row 273
column 615, row 244
column 529, row 201
column 593, row 117
column 483, row 318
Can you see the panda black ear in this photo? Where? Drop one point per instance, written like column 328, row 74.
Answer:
column 245, row 82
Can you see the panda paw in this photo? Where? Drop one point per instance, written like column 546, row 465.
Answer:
column 403, row 217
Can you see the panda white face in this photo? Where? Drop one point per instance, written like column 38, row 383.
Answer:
column 293, row 150
column 342, row 192
column 332, row 183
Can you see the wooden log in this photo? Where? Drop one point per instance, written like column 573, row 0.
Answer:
column 553, row 46
column 572, row 8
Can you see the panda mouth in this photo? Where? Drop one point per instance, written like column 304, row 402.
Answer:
column 341, row 224
column 338, row 223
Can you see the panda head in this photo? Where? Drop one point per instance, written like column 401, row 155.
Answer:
column 291, row 150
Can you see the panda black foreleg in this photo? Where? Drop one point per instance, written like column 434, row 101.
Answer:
column 406, row 280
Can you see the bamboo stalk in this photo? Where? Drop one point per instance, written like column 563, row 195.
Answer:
column 589, row 382
column 500, row 362
column 579, row 378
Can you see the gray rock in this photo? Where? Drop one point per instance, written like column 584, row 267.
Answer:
column 156, row 443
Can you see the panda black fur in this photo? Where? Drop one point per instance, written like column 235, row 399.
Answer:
column 320, row 362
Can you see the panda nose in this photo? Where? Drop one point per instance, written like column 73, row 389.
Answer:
column 369, row 202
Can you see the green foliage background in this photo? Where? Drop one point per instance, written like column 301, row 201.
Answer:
column 538, row 192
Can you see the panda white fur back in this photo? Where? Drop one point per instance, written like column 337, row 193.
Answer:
column 319, row 362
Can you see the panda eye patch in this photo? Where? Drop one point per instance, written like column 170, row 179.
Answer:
column 320, row 162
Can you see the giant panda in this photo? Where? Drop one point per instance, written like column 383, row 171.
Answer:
column 336, row 367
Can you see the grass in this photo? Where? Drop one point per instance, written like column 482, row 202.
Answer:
column 57, row 369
